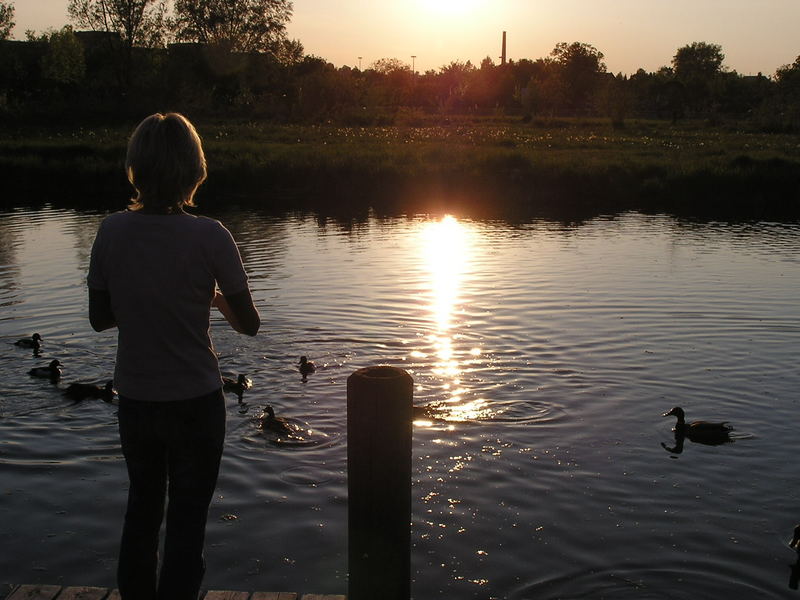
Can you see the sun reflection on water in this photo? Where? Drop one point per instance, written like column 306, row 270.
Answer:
column 446, row 247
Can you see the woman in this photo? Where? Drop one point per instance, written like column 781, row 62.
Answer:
column 154, row 274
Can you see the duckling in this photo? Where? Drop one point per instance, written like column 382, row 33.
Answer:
column 795, row 542
column 51, row 371
column 275, row 424
column 81, row 391
column 35, row 342
column 422, row 412
column 306, row 367
column 237, row 386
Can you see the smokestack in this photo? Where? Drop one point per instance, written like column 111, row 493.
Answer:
column 503, row 54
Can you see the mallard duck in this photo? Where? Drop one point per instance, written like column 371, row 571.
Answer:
column 81, row 391
column 795, row 542
column 272, row 423
column 35, row 341
column 696, row 427
column 51, row 371
column 237, row 386
column 700, row 432
column 306, row 367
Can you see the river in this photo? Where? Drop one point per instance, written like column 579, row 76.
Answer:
column 547, row 353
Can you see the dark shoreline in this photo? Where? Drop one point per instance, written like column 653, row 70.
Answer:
column 483, row 171
column 764, row 192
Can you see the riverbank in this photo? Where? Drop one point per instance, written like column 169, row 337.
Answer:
column 577, row 165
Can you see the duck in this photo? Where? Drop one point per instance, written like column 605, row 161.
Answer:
column 698, row 427
column 80, row 391
column 423, row 411
column 306, row 367
column 35, row 342
column 237, row 386
column 795, row 542
column 51, row 371
column 701, row 432
column 275, row 424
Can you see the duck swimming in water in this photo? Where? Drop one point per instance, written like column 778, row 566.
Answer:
column 35, row 342
column 237, row 386
column 698, row 428
column 82, row 391
column 306, row 367
column 700, row 432
column 794, row 544
column 275, row 424
column 51, row 371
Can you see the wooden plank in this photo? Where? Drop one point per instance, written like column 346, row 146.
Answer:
column 51, row 592
column 226, row 595
column 35, row 592
column 83, row 593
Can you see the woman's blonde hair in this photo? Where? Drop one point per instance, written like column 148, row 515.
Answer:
column 165, row 162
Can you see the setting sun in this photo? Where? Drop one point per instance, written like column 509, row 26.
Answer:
column 452, row 8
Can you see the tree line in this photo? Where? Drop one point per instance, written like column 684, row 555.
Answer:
column 232, row 58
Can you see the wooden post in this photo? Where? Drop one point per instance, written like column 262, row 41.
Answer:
column 379, row 401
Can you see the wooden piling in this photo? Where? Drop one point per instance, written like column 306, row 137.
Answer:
column 379, row 402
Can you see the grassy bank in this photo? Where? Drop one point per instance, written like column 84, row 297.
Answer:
column 583, row 166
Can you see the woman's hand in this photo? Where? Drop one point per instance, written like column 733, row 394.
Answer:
column 239, row 311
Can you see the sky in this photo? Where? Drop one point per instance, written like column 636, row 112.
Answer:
column 755, row 35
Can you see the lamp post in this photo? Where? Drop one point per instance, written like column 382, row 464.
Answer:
column 413, row 58
column 359, row 63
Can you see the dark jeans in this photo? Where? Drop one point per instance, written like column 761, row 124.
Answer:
column 172, row 449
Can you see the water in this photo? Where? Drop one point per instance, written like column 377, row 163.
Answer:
column 548, row 353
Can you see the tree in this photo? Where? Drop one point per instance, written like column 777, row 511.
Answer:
column 393, row 81
column 387, row 66
column 696, row 66
column 63, row 63
column 543, row 91
column 288, row 52
column 138, row 22
column 452, row 82
column 616, row 99
column 580, row 66
column 6, row 20
column 241, row 25
column 698, row 60
column 788, row 79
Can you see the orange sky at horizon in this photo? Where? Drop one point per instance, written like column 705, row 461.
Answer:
column 755, row 35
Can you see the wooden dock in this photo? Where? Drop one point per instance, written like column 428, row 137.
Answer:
column 56, row 592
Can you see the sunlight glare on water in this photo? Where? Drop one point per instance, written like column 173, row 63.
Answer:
column 447, row 247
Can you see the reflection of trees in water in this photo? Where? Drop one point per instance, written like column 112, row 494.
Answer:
column 83, row 228
column 11, row 234
column 21, row 227
column 262, row 237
